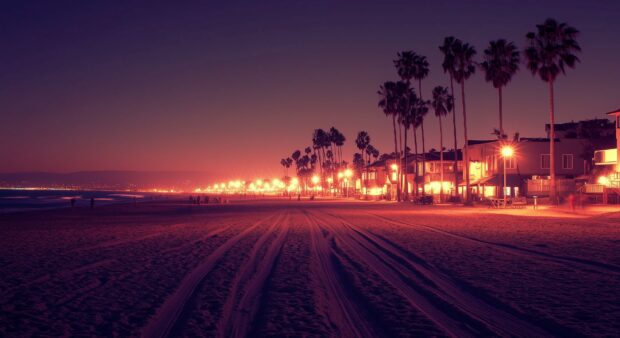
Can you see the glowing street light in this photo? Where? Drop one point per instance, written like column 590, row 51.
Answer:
column 348, row 173
column 507, row 152
column 315, row 180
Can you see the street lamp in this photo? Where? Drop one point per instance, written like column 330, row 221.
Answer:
column 507, row 152
column 348, row 173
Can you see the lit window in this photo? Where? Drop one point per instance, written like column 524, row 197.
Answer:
column 567, row 161
column 545, row 161
column 511, row 163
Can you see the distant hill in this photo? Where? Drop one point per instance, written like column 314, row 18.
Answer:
column 180, row 180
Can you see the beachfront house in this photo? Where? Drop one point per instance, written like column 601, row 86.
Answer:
column 606, row 174
column 431, row 178
column 527, row 170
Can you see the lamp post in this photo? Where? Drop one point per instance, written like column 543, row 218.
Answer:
column 507, row 152
column 348, row 173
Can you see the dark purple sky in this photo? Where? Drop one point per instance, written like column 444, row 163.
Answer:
column 230, row 87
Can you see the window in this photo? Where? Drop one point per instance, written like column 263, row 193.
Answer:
column 545, row 161
column 511, row 163
column 567, row 161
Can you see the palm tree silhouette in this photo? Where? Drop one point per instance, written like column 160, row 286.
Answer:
column 389, row 102
column 362, row 142
column 407, row 66
column 551, row 49
column 420, row 72
column 464, row 67
column 501, row 62
column 406, row 119
column 449, row 67
column 286, row 163
column 337, row 139
column 442, row 104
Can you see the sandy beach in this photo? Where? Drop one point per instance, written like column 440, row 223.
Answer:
column 309, row 268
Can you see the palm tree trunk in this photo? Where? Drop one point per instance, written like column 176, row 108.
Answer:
column 440, row 161
column 423, row 146
column 456, row 148
column 553, row 192
column 415, row 146
column 423, row 161
column 406, row 197
column 400, row 157
column 501, row 124
column 465, row 153
column 396, row 154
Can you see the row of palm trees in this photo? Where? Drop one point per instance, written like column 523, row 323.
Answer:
column 549, row 51
column 325, row 154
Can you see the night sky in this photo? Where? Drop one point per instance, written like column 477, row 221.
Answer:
column 231, row 87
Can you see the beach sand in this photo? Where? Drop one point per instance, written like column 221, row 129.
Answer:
column 311, row 268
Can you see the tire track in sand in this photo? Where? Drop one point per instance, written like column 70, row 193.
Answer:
column 573, row 262
column 167, row 314
column 444, row 302
column 244, row 299
column 342, row 312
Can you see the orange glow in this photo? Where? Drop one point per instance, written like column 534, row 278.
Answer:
column 603, row 180
column 315, row 179
column 507, row 151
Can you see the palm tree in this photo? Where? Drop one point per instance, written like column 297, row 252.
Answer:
column 388, row 102
column 286, row 163
column 362, row 142
column 501, row 62
column 406, row 119
column 551, row 48
column 442, row 104
column 464, row 67
column 338, row 139
column 407, row 65
column 448, row 67
column 420, row 72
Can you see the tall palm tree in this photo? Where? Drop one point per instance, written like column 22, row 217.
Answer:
column 442, row 104
column 362, row 142
column 405, row 66
column 406, row 118
column 448, row 66
column 389, row 102
column 501, row 62
column 551, row 49
column 464, row 67
column 420, row 72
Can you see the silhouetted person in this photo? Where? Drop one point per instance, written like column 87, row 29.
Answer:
column 206, row 199
column 72, row 202
column 571, row 201
column 92, row 202
column 198, row 199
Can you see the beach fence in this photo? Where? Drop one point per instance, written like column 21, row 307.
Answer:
column 540, row 186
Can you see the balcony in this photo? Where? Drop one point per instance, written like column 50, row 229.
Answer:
column 606, row 157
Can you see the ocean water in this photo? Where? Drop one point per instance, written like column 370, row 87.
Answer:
column 22, row 200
